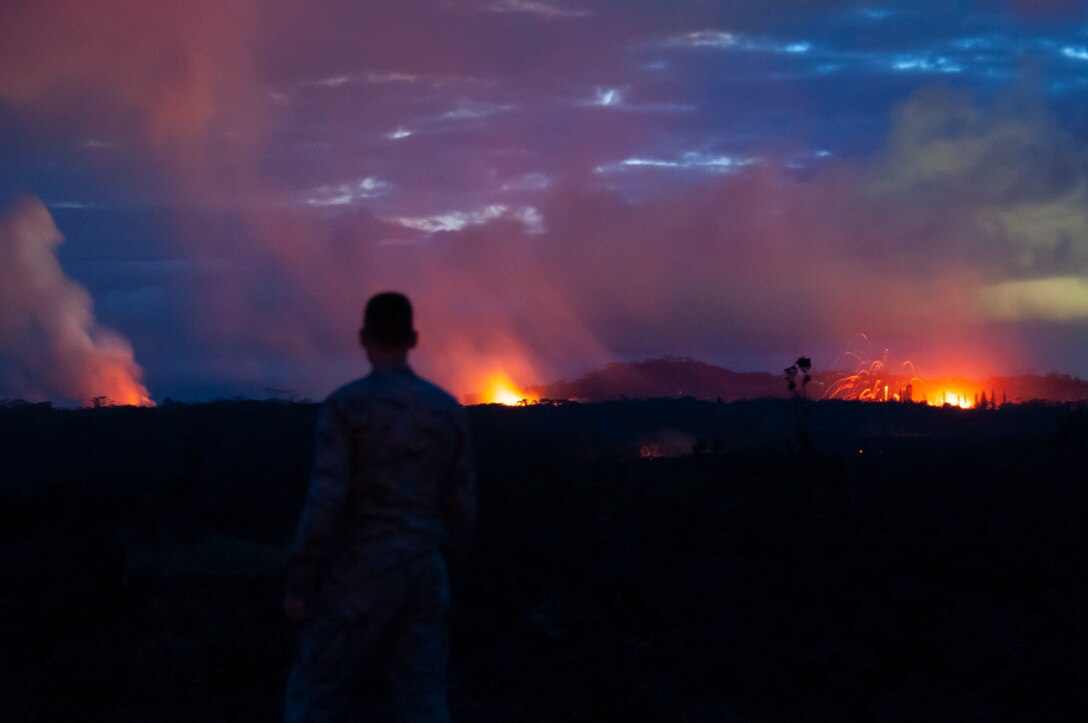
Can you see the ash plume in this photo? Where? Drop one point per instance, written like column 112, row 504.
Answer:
column 51, row 346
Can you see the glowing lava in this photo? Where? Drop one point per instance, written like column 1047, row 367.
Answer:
column 955, row 399
column 868, row 386
column 880, row 381
column 117, row 384
column 501, row 390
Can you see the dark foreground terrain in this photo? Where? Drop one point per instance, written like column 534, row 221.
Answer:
column 636, row 561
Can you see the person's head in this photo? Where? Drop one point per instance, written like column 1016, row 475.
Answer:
column 387, row 332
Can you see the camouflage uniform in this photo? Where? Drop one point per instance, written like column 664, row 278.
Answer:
column 392, row 486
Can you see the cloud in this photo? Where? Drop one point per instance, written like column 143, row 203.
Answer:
column 722, row 40
column 692, row 160
column 704, row 39
column 1047, row 234
column 608, row 97
column 542, row 9
column 459, row 220
column 1062, row 298
column 739, row 242
column 344, row 194
column 335, row 81
column 750, row 260
column 51, row 346
column 1002, row 186
column 926, row 64
column 532, row 181
column 375, row 77
column 474, row 110
column 182, row 71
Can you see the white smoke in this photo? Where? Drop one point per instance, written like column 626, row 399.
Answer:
column 51, row 346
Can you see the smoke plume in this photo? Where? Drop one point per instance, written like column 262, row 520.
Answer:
column 51, row 346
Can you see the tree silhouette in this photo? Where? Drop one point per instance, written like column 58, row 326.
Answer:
column 800, row 368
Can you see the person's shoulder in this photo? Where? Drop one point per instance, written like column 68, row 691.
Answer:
column 377, row 387
column 435, row 394
column 348, row 393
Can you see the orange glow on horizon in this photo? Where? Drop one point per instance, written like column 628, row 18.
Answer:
column 955, row 399
column 117, row 387
column 935, row 393
column 500, row 389
column 483, row 371
column 880, row 381
column 955, row 392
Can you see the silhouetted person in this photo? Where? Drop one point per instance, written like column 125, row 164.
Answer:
column 392, row 489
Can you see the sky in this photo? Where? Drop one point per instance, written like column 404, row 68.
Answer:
column 198, row 197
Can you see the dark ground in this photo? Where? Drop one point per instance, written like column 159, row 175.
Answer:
column 939, row 574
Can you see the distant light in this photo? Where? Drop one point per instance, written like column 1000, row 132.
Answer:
column 798, row 47
column 1076, row 53
column 398, row 134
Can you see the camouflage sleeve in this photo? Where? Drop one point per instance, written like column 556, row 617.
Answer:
column 317, row 530
column 460, row 492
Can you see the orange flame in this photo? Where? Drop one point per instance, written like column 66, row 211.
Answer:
column 116, row 386
column 484, row 374
column 115, row 382
column 501, row 390
column 878, row 381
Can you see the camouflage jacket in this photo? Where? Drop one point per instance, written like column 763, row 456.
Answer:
column 392, row 480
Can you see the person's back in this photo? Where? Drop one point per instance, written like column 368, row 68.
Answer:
column 392, row 486
column 401, row 438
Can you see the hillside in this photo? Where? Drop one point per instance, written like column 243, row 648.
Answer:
column 674, row 377
column 664, row 378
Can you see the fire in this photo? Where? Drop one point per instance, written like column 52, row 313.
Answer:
column 118, row 386
column 953, row 399
column 902, row 388
column 483, row 371
column 501, row 390
column 880, row 381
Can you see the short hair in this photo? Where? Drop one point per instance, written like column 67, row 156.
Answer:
column 387, row 319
